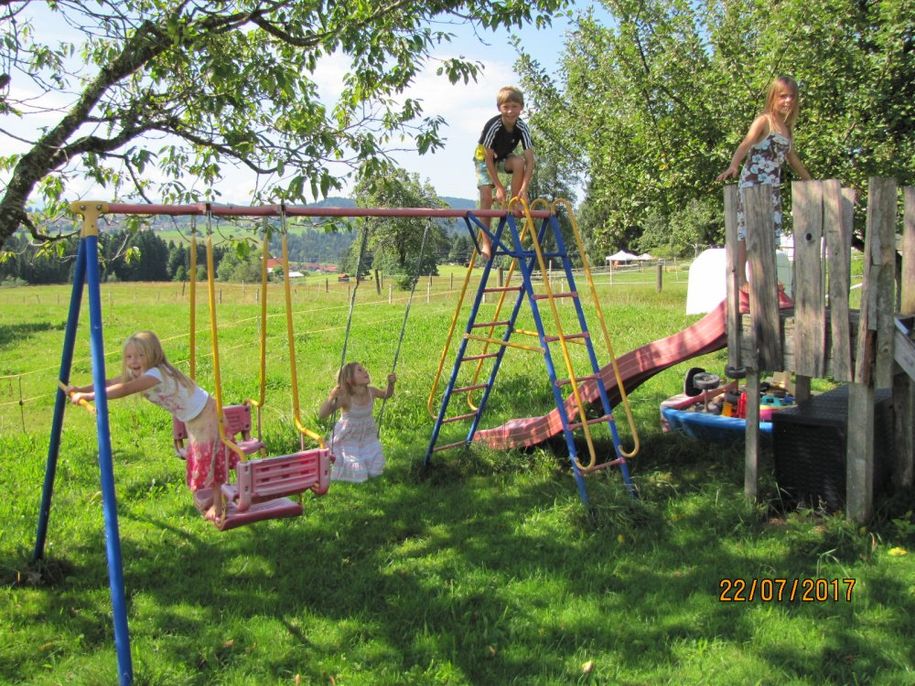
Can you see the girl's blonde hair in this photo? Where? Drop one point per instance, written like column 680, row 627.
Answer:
column 345, row 380
column 777, row 84
column 149, row 344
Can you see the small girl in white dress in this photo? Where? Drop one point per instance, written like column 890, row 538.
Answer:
column 354, row 440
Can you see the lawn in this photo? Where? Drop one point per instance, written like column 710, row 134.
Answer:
column 482, row 569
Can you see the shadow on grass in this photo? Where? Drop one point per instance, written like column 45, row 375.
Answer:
column 492, row 576
column 12, row 335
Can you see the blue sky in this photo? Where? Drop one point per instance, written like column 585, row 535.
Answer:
column 464, row 106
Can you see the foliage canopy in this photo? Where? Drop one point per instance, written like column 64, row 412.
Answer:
column 215, row 84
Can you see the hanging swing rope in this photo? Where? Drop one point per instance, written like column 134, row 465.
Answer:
column 406, row 316
column 363, row 242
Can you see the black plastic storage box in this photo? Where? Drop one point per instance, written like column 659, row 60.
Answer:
column 809, row 443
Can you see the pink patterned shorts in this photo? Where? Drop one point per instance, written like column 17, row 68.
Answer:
column 208, row 464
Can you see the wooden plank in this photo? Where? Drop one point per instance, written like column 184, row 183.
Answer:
column 904, row 386
column 881, row 215
column 904, row 434
column 809, row 312
column 859, row 458
column 907, row 299
column 763, row 278
column 730, row 241
column 838, row 211
column 751, row 437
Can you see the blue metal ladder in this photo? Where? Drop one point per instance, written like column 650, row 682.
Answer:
column 525, row 247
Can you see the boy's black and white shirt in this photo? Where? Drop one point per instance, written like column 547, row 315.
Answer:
column 502, row 141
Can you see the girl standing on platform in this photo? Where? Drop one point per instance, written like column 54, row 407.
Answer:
column 146, row 370
column 766, row 147
column 354, row 441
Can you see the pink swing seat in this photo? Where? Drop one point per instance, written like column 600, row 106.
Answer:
column 237, row 423
column 261, row 484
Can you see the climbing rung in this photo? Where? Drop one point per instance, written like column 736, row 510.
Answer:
column 465, row 389
column 439, row 448
column 596, row 420
column 568, row 337
column 603, row 465
column 564, row 294
column 483, row 356
column 502, row 289
column 459, row 417
column 485, row 324
column 589, row 377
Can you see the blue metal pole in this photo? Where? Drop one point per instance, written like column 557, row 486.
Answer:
column 106, row 468
column 66, row 358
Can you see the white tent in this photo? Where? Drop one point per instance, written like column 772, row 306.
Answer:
column 708, row 279
column 645, row 257
column 621, row 256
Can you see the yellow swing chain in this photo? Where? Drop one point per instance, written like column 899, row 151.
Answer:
column 290, row 335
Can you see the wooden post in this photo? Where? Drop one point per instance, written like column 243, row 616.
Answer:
column 429, row 289
column 859, row 465
column 809, row 313
column 904, row 383
column 881, row 224
column 733, row 314
column 327, row 285
column 390, row 293
column 501, row 276
column 751, row 445
column 377, row 283
column 764, row 278
column 659, row 284
column 838, row 207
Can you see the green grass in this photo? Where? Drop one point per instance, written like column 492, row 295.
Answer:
column 483, row 569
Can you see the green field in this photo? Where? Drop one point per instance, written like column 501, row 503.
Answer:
column 483, row 569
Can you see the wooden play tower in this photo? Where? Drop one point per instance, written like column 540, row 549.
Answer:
column 870, row 349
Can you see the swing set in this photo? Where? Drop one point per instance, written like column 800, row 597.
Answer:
column 264, row 483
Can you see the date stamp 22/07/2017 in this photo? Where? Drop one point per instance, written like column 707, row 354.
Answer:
column 782, row 589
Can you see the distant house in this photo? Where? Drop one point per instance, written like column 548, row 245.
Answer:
column 273, row 263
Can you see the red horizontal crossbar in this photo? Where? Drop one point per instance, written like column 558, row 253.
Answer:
column 299, row 211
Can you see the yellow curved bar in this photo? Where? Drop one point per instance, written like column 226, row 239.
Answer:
column 430, row 401
column 290, row 335
column 90, row 408
column 603, row 324
column 262, row 395
column 192, row 295
column 218, row 496
column 567, row 358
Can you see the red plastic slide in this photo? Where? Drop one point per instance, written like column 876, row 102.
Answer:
column 636, row 367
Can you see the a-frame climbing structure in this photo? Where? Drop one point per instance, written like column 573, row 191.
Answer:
column 569, row 356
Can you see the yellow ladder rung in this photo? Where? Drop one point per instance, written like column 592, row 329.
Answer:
column 596, row 420
column 458, row 418
column 497, row 341
column 603, row 465
column 439, row 448
column 482, row 325
column 589, row 377
column 572, row 338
